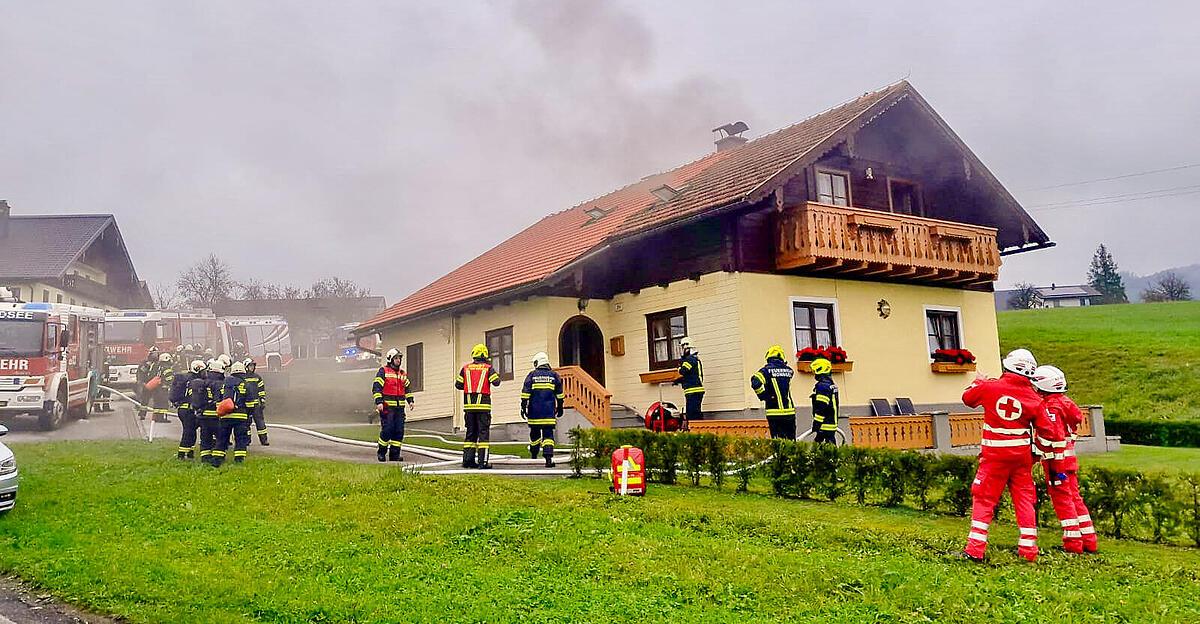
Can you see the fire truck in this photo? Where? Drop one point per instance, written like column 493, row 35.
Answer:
column 51, row 358
column 264, row 338
column 129, row 334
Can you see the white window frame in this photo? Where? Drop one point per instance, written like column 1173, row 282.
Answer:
column 837, row 318
column 962, row 336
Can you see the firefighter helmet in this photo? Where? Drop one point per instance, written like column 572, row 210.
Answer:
column 540, row 359
column 685, row 343
column 1050, row 379
column 217, row 366
column 225, row 359
column 197, row 366
column 238, row 368
column 164, row 358
column 392, row 354
column 209, row 352
column 775, row 351
column 179, row 348
column 479, row 351
column 153, row 349
column 821, row 366
column 249, row 363
column 1021, row 362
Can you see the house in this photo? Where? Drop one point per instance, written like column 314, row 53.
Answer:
column 75, row 259
column 870, row 226
column 315, row 324
column 1054, row 296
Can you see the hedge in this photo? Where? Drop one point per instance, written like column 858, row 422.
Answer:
column 1123, row 503
column 1156, row 432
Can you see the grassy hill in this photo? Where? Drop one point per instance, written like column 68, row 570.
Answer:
column 120, row 528
column 1139, row 361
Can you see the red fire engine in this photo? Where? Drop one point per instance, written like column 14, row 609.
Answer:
column 129, row 334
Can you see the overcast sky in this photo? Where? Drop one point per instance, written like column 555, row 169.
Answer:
column 391, row 142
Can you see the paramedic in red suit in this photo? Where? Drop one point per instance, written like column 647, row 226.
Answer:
column 1078, row 533
column 1011, row 407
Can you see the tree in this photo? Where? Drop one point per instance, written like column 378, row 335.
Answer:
column 1104, row 277
column 206, row 282
column 165, row 297
column 1168, row 287
column 1023, row 297
column 337, row 287
column 278, row 291
column 252, row 289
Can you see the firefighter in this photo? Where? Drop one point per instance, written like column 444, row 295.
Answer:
column 1011, row 407
column 181, row 398
column 239, row 351
column 390, row 390
column 143, row 375
column 160, row 398
column 825, row 403
column 180, row 358
column 235, row 424
column 542, row 406
column 257, row 405
column 772, row 384
column 104, row 395
column 476, row 380
column 205, row 394
column 691, row 377
column 1073, row 516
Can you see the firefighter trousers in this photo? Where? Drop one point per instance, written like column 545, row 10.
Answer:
column 187, row 440
column 236, row 427
column 782, row 427
column 209, row 427
column 478, row 443
column 541, row 440
column 391, row 433
column 993, row 476
column 693, row 405
column 1073, row 515
column 260, row 423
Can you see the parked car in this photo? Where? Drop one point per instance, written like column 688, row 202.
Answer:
column 8, row 476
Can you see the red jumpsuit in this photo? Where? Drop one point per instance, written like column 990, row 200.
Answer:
column 1073, row 515
column 1010, row 408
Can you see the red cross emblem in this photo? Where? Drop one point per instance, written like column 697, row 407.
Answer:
column 1009, row 408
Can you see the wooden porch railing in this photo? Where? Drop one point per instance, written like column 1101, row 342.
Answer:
column 740, row 427
column 868, row 242
column 966, row 429
column 585, row 395
column 897, row 432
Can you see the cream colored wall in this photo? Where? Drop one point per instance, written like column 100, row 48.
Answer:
column 437, row 399
column 88, row 271
column 891, row 356
column 32, row 291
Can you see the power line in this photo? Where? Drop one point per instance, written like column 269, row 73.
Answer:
column 1120, row 177
column 1115, row 201
column 1104, row 197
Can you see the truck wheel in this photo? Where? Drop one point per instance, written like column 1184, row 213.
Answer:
column 273, row 365
column 53, row 416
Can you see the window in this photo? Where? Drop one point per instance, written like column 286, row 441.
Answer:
column 414, row 356
column 45, row 296
column 942, row 328
column 51, row 338
column 833, row 188
column 904, row 197
column 665, row 330
column 500, row 346
column 813, row 324
column 59, row 298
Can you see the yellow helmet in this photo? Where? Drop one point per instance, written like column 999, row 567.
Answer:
column 821, row 366
column 479, row 351
column 775, row 351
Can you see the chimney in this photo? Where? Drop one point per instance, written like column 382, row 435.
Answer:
column 4, row 209
column 729, row 135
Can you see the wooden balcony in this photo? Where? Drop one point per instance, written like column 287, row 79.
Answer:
column 869, row 243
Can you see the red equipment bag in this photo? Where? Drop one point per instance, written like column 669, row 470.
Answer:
column 153, row 384
column 664, row 416
column 225, row 407
column 629, row 471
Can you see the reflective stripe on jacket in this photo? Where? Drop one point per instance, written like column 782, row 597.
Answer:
column 691, row 374
column 772, row 384
column 476, row 380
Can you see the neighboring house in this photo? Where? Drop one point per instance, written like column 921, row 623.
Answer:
column 316, row 325
column 76, row 259
column 870, row 226
column 1055, row 296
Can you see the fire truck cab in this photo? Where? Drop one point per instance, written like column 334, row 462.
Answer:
column 51, row 357
column 264, row 338
column 129, row 335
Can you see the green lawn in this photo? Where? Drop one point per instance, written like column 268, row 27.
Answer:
column 121, row 529
column 1147, row 459
column 1139, row 361
column 370, row 433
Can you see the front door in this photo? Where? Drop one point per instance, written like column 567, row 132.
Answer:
column 581, row 344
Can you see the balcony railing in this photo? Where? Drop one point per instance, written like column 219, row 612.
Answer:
column 587, row 396
column 95, row 292
column 862, row 242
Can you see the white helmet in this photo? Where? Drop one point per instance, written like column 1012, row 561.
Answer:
column 197, row 366
column 391, row 354
column 225, row 359
column 541, row 359
column 179, row 348
column 237, row 368
column 1021, row 362
column 1050, row 379
column 216, row 365
column 248, row 362
column 164, row 358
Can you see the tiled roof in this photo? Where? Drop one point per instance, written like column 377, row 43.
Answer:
column 43, row 246
column 719, row 179
column 1055, row 292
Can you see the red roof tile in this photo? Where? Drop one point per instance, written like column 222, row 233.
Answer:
column 715, row 180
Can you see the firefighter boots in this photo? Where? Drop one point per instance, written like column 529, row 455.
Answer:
column 483, row 460
column 549, row 462
column 381, row 454
column 469, row 458
column 262, row 440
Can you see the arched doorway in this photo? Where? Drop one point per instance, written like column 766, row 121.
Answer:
column 581, row 344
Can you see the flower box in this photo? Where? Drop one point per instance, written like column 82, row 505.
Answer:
column 841, row 367
column 835, row 355
column 951, row 367
column 659, row 376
